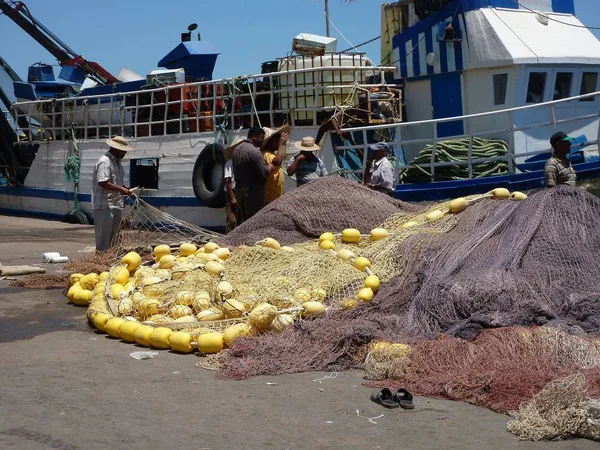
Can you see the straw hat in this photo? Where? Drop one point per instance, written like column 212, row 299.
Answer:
column 270, row 132
column 228, row 153
column 119, row 143
column 307, row 144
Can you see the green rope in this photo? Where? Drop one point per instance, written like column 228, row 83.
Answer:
column 457, row 150
column 72, row 168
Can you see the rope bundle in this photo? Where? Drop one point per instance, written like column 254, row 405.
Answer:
column 457, row 150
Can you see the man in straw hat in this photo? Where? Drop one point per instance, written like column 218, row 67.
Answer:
column 306, row 165
column 273, row 149
column 250, row 172
column 108, row 191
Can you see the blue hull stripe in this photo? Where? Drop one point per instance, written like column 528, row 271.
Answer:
column 56, row 194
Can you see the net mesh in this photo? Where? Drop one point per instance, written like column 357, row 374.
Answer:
column 498, row 264
column 560, row 410
column 498, row 369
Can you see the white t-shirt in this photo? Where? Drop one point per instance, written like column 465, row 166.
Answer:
column 108, row 168
column 229, row 174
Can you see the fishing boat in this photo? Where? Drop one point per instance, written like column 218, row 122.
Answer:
column 467, row 94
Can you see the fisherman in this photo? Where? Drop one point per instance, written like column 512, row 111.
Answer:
column 558, row 169
column 380, row 175
column 108, row 192
column 231, row 208
column 273, row 149
column 306, row 165
column 250, row 172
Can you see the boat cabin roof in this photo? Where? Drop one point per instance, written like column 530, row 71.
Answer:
column 498, row 36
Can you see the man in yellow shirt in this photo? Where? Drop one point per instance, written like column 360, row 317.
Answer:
column 273, row 150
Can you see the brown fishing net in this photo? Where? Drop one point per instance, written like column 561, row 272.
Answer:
column 42, row 281
column 499, row 369
column 332, row 204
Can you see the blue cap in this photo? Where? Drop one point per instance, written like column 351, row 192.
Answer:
column 379, row 146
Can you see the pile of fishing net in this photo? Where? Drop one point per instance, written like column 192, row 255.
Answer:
column 497, row 264
column 498, row 369
column 458, row 268
column 332, row 204
column 457, row 150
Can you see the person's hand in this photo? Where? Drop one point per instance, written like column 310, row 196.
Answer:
column 233, row 202
column 284, row 138
column 129, row 193
column 300, row 156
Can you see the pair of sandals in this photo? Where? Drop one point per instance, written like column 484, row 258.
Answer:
column 388, row 399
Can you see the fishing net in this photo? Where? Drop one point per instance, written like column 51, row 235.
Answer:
column 332, row 204
column 498, row 369
column 285, row 278
column 561, row 410
column 42, row 281
column 497, row 264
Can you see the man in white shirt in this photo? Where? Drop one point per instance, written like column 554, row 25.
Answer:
column 380, row 175
column 231, row 209
column 108, row 192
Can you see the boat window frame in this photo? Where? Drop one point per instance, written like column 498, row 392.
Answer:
column 582, row 72
column 574, row 77
column 493, row 75
column 548, row 77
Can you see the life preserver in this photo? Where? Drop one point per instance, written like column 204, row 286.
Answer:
column 207, row 178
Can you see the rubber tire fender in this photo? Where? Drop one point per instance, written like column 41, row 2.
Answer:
column 78, row 217
column 207, row 189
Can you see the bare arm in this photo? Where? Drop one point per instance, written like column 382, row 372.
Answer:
column 291, row 170
column 278, row 160
column 115, row 187
column 231, row 195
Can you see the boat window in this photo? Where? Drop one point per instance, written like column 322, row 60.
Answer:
column 500, row 85
column 144, row 173
column 535, row 88
column 589, row 80
column 562, row 86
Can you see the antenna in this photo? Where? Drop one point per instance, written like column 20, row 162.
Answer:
column 186, row 37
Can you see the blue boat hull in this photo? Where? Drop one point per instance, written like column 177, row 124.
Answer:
column 443, row 190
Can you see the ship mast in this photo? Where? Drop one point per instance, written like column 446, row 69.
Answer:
column 327, row 16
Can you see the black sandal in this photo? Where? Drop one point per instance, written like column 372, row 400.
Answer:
column 404, row 399
column 385, row 398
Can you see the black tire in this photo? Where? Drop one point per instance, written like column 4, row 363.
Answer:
column 207, row 178
column 77, row 217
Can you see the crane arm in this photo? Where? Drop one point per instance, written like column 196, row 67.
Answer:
column 66, row 56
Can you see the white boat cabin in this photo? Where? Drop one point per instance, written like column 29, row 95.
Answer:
column 463, row 57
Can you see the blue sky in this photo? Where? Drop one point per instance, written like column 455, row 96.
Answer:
column 137, row 34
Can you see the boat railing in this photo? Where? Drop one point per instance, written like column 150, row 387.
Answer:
column 506, row 125
column 296, row 97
